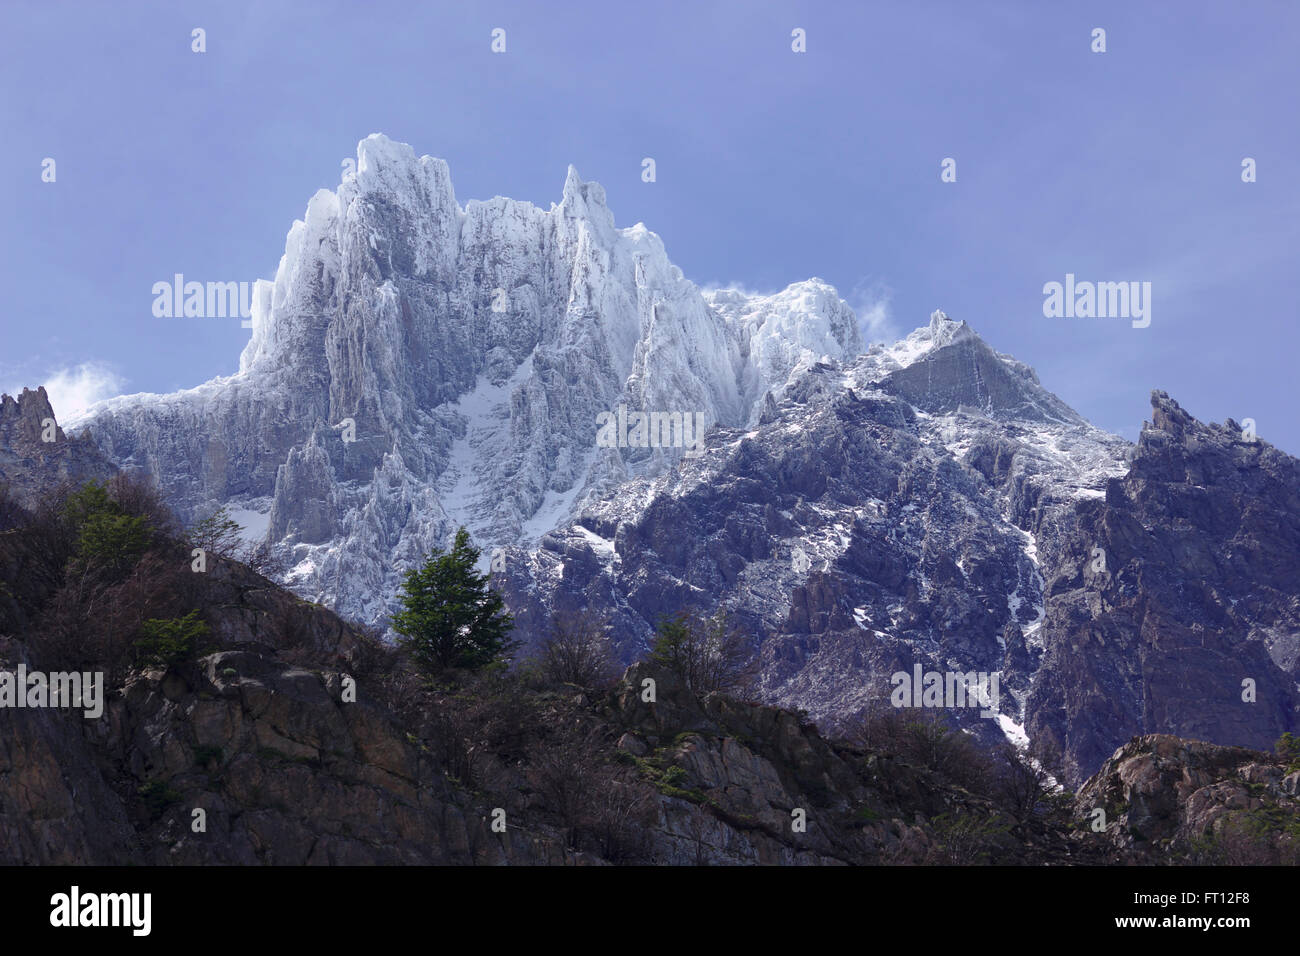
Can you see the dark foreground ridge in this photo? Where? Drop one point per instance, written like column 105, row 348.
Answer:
column 256, row 734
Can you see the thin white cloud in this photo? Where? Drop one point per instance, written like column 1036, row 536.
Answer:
column 740, row 287
column 74, row 389
column 872, row 302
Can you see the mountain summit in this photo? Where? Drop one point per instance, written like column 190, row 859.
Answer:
column 470, row 350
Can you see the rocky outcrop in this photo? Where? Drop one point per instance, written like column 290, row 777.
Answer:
column 738, row 775
column 36, row 456
column 1163, row 798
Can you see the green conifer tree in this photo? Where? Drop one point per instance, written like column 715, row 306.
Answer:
column 450, row 617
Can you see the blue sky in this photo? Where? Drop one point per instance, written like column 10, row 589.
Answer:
column 772, row 166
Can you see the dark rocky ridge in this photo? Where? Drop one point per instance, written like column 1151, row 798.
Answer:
column 258, row 737
column 1200, row 592
column 966, row 373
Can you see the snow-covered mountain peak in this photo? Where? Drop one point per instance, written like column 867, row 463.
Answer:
column 417, row 365
column 582, row 195
column 785, row 333
column 387, row 166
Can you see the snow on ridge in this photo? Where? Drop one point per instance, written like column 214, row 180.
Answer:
column 917, row 344
column 486, row 409
column 1031, row 628
column 602, row 546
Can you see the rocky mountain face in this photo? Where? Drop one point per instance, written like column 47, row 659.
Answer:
column 1173, row 604
column 883, row 513
column 927, row 507
column 1117, row 591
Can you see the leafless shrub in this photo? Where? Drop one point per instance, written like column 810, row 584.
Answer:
column 878, row 726
column 707, row 653
column 486, row 718
column 218, row 534
column 924, row 738
column 598, row 804
column 89, row 621
column 12, row 514
column 1265, row 837
column 140, row 497
column 261, row 557
column 965, row 839
column 1020, row 783
column 577, row 651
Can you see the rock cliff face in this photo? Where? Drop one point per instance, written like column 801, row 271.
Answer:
column 418, row 365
